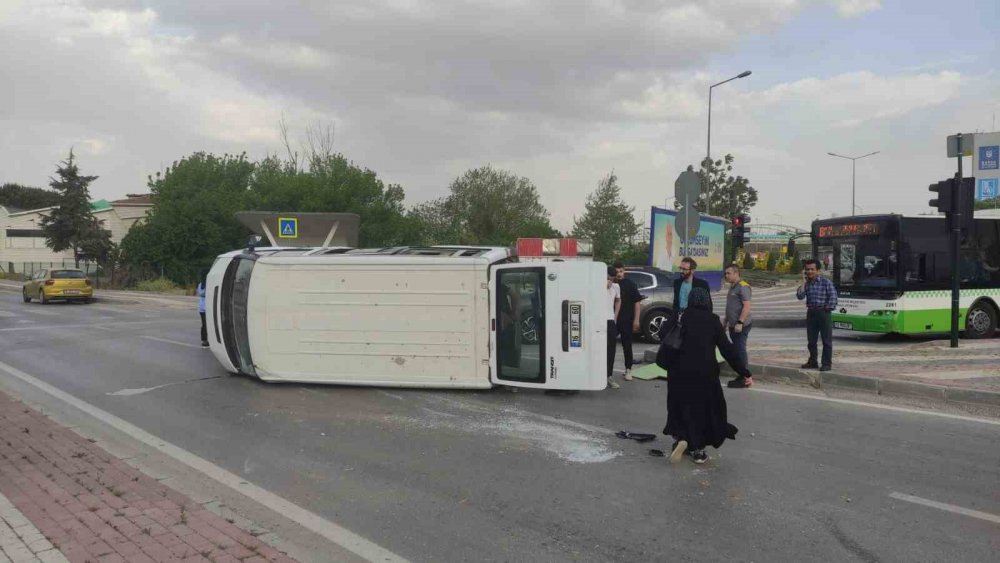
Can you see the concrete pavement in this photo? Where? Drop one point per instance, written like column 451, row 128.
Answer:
column 498, row 476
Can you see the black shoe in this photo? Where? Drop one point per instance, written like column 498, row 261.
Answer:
column 699, row 456
column 809, row 365
column 826, row 368
column 204, row 343
column 740, row 383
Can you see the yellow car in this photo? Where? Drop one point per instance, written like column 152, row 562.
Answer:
column 69, row 284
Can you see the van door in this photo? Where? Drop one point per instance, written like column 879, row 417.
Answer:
column 548, row 325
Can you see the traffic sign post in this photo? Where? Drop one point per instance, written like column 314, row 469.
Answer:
column 687, row 187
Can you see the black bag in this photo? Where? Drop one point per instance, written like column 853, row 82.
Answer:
column 670, row 343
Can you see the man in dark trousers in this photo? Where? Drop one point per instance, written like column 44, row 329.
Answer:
column 686, row 282
column 821, row 300
column 628, row 317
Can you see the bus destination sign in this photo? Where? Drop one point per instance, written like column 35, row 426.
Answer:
column 849, row 230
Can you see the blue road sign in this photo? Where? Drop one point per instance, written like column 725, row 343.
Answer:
column 288, row 227
column 988, row 157
column 987, row 188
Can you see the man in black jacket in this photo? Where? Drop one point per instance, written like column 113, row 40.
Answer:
column 684, row 284
column 628, row 316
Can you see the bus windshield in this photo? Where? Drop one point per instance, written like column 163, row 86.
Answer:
column 864, row 254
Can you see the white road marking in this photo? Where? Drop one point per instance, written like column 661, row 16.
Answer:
column 141, row 390
column 756, row 389
column 341, row 536
column 116, row 325
column 168, row 341
column 947, row 507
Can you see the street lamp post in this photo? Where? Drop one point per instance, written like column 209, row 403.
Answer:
column 708, row 151
column 853, row 160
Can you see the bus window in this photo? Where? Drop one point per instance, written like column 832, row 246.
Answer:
column 846, row 264
column 520, row 342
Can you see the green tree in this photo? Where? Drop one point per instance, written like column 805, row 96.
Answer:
column 723, row 195
column 991, row 203
column 748, row 262
column 772, row 260
column 486, row 206
column 193, row 217
column 636, row 255
column 16, row 196
column 607, row 221
column 72, row 225
column 333, row 184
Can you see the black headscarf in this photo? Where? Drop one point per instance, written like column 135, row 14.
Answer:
column 699, row 299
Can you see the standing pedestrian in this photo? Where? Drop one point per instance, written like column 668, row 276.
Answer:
column 201, row 310
column 614, row 305
column 684, row 284
column 696, row 407
column 628, row 315
column 821, row 300
column 737, row 320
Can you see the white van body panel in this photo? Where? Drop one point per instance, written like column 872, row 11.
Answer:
column 395, row 321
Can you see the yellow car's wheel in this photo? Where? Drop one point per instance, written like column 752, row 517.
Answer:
column 25, row 296
column 42, row 298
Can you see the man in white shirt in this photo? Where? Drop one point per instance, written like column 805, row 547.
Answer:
column 613, row 306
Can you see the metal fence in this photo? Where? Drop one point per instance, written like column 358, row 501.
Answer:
column 106, row 276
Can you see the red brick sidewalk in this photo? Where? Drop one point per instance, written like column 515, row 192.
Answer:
column 94, row 507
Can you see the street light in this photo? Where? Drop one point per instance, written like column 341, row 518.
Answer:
column 853, row 159
column 708, row 151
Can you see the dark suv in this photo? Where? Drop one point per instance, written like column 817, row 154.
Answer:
column 657, row 286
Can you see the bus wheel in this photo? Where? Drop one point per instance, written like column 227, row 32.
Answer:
column 980, row 321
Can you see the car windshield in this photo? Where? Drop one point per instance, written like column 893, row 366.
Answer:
column 68, row 275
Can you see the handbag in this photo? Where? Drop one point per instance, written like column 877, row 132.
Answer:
column 671, row 343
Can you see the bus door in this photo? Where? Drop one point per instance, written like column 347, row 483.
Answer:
column 548, row 324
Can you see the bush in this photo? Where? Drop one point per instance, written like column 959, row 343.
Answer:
column 747, row 261
column 772, row 261
column 161, row 285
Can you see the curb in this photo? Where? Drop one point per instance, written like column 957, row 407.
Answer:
column 874, row 385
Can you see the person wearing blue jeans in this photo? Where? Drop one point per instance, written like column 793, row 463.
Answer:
column 820, row 296
column 737, row 320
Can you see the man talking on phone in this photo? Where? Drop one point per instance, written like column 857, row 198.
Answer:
column 821, row 301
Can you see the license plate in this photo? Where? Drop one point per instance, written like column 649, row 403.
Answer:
column 575, row 325
column 845, row 326
column 71, row 292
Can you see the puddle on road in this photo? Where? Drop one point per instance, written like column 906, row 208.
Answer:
column 567, row 440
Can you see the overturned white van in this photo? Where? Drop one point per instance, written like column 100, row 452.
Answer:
column 432, row 317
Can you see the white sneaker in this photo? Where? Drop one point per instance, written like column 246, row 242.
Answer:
column 628, row 375
column 613, row 384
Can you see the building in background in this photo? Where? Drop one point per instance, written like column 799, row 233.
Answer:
column 22, row 243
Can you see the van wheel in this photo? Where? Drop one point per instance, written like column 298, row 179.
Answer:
column 980, row 321
column 25, row 296
column 652, row 323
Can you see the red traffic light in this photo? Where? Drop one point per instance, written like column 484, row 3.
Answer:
column 737, row 221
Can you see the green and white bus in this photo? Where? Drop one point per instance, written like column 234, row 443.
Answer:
column 893, row 274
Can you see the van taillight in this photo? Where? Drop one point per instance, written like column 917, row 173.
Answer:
column 50, row 282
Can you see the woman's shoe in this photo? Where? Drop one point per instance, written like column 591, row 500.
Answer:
column 699, row 456
column 678, row 452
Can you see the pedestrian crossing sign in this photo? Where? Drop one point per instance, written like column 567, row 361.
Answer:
column 288, row 227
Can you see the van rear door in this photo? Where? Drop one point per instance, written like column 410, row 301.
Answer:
column 548, row 325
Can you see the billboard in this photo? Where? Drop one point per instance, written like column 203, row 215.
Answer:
column 666, row 249
column 986, row 164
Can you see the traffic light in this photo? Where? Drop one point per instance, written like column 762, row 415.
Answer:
column 945, row 200
column 741, row 232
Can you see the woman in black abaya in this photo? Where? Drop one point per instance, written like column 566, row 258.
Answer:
column 696, row 407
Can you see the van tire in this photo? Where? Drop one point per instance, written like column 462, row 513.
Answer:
column 980, row 320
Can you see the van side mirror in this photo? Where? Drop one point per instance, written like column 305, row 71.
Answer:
column 254, row 242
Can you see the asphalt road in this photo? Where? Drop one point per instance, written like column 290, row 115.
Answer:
column 501, row 476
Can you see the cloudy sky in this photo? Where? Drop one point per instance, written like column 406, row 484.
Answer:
column 560, row 91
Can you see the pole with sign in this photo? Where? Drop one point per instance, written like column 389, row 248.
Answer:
column 687, row 188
